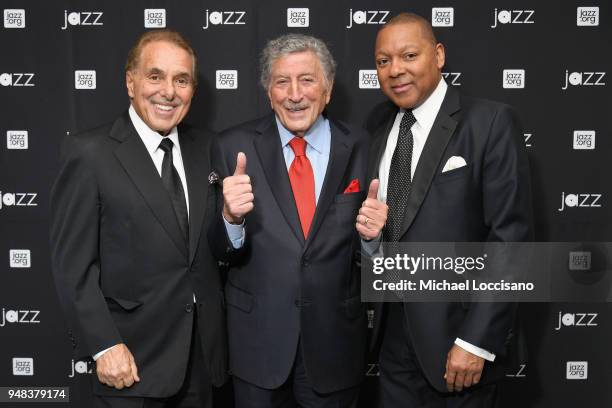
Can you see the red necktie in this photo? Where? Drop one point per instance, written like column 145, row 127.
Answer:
column 301, row 177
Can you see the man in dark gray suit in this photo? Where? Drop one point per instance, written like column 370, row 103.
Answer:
column 294, row 181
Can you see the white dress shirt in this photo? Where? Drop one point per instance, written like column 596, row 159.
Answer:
column 425, row 116
column 151, row 140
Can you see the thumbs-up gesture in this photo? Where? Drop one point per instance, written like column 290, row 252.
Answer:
column 372, row 214
column 237, row 193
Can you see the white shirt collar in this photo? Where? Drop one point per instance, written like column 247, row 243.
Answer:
column 426, row 113
column 150, row 138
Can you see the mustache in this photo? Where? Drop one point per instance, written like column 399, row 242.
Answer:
column 294, row 106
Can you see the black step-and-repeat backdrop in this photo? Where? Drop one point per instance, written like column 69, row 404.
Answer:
column 61, row 71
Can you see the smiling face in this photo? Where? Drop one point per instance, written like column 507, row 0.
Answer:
column 298, row 91
column 408, row 63
column 162, row 85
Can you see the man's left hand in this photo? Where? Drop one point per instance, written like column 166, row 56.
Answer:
column 372, row 214
column 463, row 369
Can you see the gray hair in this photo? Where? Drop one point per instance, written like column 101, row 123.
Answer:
column 292, row 43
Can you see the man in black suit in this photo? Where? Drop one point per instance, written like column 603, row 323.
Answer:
column 451, row 169
column 296, row 324
column 141, row 291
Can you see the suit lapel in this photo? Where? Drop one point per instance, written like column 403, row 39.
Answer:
column 196, row 164
column 135, row 159
column 439, row 136
column 270, row 152
column 339, row 156
column 380, row 142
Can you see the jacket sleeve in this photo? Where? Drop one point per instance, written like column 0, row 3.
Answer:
column 506, row 197
column 218, row 239
column 74, row 236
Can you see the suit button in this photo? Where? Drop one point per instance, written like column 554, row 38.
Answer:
column 297, row 303
column 305, row 263
column 189, row 307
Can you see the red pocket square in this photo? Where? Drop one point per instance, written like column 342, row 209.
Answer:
column 353, row 187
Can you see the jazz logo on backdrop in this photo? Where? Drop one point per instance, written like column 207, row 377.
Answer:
column 367, row 17
column 571, row 200
column 512, row 17
column 82, row 18
column 586, row 78
column 576, row 320
column 215, row 18
column 19, row 316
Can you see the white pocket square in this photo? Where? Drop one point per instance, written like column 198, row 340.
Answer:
column 453, row 163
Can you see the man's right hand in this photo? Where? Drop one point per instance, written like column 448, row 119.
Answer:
column 237, row 193
column 116, row 368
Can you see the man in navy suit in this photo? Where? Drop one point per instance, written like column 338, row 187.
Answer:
column 451, row 169
column 293, row 183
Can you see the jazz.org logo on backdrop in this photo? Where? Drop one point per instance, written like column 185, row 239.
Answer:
column 587, row 16
column 16, row 139
column 14, row 18
column 514, row 79
column 298, row 17
column 213, row 18
column 584, row 139
column 17, row 199
column 17, row 79
column 587, row 78
column 155, row 18
column 571, row 200
column 367, row 17
column 528, row 137
column 19, row 317
column 227, row 79
column 80, row 367
column 23, row 366
column 368, row 79
column 576, row 320
column 579, row 261
column 577, row 370
column 85, row 79
column 512, row 17
column 20, row 258
column 442, row 16
column 82, row 18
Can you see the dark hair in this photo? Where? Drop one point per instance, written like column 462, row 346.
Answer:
column 411, row 18
column 171, row 36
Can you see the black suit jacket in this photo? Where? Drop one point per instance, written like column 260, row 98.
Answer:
column 282, row 288
column 487, row 200
column 122, row 267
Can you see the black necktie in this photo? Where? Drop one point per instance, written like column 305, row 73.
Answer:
column 172, row 183
column 398, row 191
column 400, row 180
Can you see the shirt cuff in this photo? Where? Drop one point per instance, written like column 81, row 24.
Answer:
column 98, row 355
column 372, row 248
column 235, row 233
column 475, row 350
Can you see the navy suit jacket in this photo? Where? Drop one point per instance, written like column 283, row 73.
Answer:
column 283, row 288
